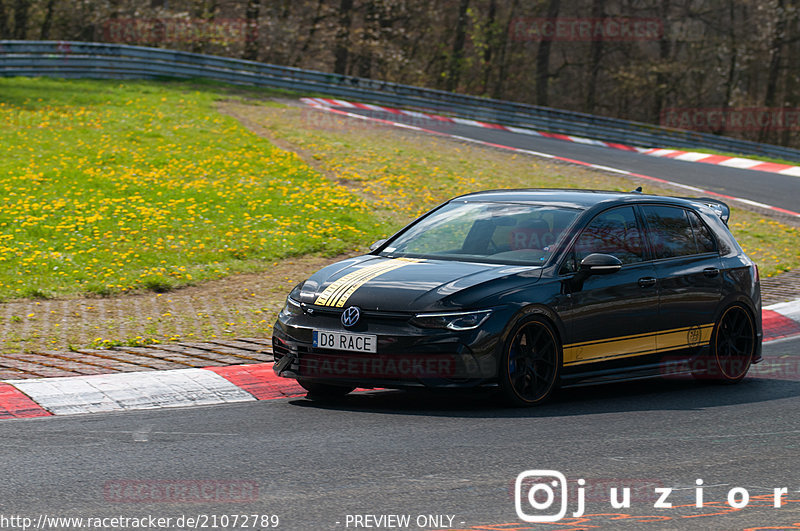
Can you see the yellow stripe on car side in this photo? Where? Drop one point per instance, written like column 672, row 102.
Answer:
column 637, row 345
column 337, row 293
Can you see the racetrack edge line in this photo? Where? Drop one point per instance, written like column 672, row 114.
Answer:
column 558, row 157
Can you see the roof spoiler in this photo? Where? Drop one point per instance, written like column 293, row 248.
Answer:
column 722, row 209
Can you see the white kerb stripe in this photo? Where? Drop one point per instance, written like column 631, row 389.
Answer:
column 376, row 108
column 581, row 140
column 341, row 103
column 464, row 121
column 663, row 152
column 692, row 156
column 789, row 309
column 131, row 390
column 318, row 101
column 415, row 114
column 523, row 131
column 794, row 170
column 737, row 162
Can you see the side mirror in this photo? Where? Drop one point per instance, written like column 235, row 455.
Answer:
column 600, row 264
column 379, row 243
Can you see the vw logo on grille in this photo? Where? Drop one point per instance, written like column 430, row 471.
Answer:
column 351, row 316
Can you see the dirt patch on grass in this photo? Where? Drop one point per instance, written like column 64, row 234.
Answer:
column 244, row 305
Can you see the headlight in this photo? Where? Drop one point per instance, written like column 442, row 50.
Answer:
column 451, row 320
column 291, row 308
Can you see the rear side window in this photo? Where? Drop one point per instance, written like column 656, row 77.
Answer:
column 670, row 231
column 702, row 236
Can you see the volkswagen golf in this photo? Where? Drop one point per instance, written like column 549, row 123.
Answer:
column 529, row 291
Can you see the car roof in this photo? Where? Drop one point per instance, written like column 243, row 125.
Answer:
column 581, row 199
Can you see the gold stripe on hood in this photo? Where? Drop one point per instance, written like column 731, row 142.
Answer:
column 337, row 293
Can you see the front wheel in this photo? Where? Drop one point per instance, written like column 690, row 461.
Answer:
column 321, row 390
column 733, row 344
column 531, row 363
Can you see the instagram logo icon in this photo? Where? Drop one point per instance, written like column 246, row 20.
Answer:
column 539, row 490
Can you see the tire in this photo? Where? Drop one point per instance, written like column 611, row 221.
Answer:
column 530, row 364
column 321, row 390
column 732, row 346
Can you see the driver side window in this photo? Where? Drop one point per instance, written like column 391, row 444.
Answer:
column 615, row 232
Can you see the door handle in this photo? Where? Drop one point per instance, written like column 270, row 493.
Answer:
column 647, row 282
column 711, row 271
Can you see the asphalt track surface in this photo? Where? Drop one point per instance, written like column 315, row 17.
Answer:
column 773, row 189
column 391, row 452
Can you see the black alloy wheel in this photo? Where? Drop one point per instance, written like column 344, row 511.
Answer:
column 531, row 363
column 732, row 345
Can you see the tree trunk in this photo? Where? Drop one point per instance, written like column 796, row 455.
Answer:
column 791, row 79
column 312, row 30
column 595, row 55
column 370, row 33
column 457, row 55
column 251, row 33
column 44, row 34
column 502, row 70
column 3, row 22
column 774, row 69
column 342, row 52
column 21, row 18
column 543, row 58
column 491, row 42
column 664, row 51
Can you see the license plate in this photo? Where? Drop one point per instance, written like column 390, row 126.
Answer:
column 345, row 341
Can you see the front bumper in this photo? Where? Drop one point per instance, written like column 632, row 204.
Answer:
column 406, row 357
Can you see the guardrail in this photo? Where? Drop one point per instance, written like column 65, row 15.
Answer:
column 99, row 60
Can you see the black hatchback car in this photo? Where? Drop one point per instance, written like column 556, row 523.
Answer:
column 530, row 290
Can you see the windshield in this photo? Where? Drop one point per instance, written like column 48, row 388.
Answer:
column 506, row 233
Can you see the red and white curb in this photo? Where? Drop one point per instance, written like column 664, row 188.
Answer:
column 781, row 320
column 686, row 156
column 73, row 395
column 328, row 105
column 723, row 160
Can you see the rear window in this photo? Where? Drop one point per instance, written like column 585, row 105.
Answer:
column 702, row 236
column 675, row 232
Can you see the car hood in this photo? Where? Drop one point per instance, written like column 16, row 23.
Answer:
column 407, row 285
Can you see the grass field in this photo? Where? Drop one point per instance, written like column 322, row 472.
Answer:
column 111, row 191
column 109, row 187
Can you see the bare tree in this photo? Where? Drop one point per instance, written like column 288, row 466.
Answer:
column 342, row 51
column 251, row 36
column 4, row 32
column 21, row 8
column 543, row 58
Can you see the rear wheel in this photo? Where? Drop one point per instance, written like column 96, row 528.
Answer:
column 531, row 363
column 321, row 390
column 733, row 344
